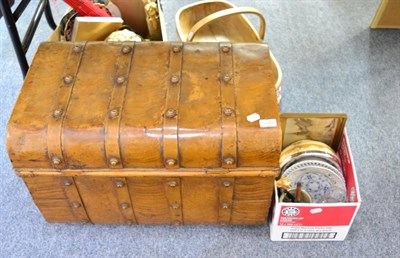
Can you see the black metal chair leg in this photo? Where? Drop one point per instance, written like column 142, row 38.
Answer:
column 30, row 32
column 16, row 41
column 49, row 16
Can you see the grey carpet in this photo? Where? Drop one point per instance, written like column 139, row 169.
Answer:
column 331, row 62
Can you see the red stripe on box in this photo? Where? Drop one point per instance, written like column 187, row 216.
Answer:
column 348, row 170
column 316, row 216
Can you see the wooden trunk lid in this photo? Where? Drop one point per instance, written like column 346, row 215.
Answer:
column 146, row 105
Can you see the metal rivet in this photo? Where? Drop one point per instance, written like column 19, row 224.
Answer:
column 68, row 182
column 56, row 160
column 225, row 205
column 171, row 113
column 77, row 49
column 176, row 49
column 177, row 223
column 57, row 113
column 227, row 77
column 174, row 78
column 226, row 183
column 76, row 204
column 113, row 161
column 124, row 206
column 68, row 79
column 228, row 111
column 174, row 206
column 172, row 184
column 222, row 224
column 84, row 221
column 120, row 79
column 170, row 162
column 126, row 50
column 229, row 160
column 226, row 49
column 129, row 222
column 119, row 184
column 113, row 113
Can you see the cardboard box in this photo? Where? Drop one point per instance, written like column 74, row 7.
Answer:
column 319, row 221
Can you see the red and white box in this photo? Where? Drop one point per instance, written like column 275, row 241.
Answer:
column 319, row 221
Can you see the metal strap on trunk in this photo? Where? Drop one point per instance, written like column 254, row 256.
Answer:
column 124, row 200
column 228, row 105
column 171, row 112
column 77, row 206
column 60, row 105
column 173, row 194
column 226, row 186
column 112, row 124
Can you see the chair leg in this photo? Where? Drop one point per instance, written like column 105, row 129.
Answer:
column 30, row 32
column 49, row 16
column 12, row 30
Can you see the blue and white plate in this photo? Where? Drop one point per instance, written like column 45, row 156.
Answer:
column 321, row 180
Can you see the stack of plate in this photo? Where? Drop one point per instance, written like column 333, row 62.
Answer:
column 317, row 167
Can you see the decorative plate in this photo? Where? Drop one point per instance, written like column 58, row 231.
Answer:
column 296, row 157
column 320, row 179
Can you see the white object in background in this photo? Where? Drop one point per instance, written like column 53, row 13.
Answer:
column 253, row 117
column 94, row 28
column 265, row 123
